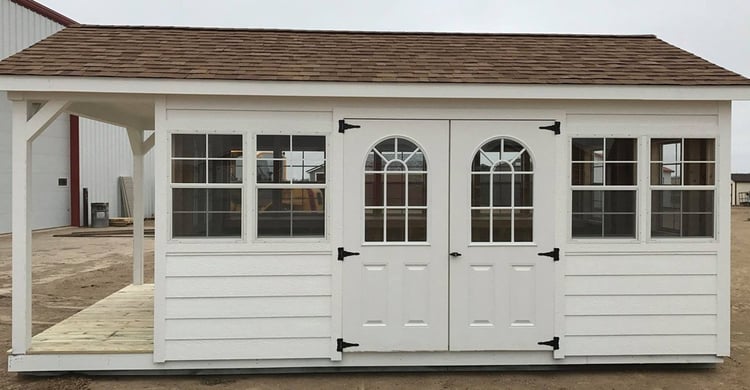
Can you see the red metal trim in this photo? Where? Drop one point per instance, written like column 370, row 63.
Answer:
column 75, row 173
column 48, row 13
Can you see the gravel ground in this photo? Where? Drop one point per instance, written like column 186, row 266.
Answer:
column 73, row 273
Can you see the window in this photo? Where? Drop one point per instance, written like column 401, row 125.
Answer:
column 604, row 187
column 682, row 187
column 206, row 185
column 290, row 180
column 502, row 193
column 396, row 192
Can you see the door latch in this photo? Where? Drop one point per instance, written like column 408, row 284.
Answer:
column 455, row 254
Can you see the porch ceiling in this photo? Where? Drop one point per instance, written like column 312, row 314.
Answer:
column 130, row 114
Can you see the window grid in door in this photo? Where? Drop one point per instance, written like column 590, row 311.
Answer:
column 395, row 192
column 502, row 208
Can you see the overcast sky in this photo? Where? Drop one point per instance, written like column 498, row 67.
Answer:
column 717, row 30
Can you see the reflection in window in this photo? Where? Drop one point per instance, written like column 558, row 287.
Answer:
column 604, row 183
column 675, row 163
column 396, row 192
column 206, row 185
column 502, row 193
column 291, row 177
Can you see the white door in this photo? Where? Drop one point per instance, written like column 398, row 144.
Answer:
column 502, row 216
column 395, row 292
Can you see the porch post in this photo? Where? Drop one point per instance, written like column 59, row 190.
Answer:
column 136, row 144
column 21, row 219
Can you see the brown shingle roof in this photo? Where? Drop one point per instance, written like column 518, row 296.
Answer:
column 741, row 177
column 234, row 54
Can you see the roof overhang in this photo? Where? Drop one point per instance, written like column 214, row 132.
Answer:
column 143, row 86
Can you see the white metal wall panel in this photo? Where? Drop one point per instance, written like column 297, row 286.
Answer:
column 19, row 29
column 105, row 155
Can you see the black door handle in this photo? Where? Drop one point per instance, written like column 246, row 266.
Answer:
column 455, row 254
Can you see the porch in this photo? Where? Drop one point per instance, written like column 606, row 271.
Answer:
column 121, row 323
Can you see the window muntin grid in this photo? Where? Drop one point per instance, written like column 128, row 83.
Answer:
column 502, row 193
column 395, row 189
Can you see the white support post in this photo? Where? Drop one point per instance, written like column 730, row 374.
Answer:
column 137, row 146
column 21, row 215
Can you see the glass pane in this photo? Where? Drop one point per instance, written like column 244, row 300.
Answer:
column 501, row 225
column 511, row 150
column 310, row 143
column 295, row 173
column 665, row 225
column 619, row 201
column 395, row 189
column 697, row 225
column 224, row 225
column 523, row 225
column 492, row 152
column 417, row 225
column 699, row 174
column 308, row 199
column 523, row 163
column 188, row 145
column 405, row 148
column 502, row 166
column 395, row 225
column 668, row 150
column 587, row 174
column 225, row 199
column 699, row 149
column 269, row 171
column 374, row 162
column 666, row 201
column 188, row 171
column 188, row 199
column 316, row 174
column 480, row 225
column 274, row 213
column 224, row 146
column 587, row 225
column 417, row 162
column 588, row 149
column 188, row 225
column 396, row 166
column 387, row 148
column 269, row 146
column 417, row 189
column 666, row 174
column 308, row 224
column 523, row 187
column 697, row 201
column 501, row 187
column 374, row 225
column 588, row 201
column 619, row 225
column 374, row 189
column 621, row 174
column 481, row 162
column 225, row 171
column 621, row 149
column 480, row 190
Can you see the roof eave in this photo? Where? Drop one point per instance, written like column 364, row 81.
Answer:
column 60, row 84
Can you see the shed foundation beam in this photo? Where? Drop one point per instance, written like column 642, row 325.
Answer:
column 138, row 147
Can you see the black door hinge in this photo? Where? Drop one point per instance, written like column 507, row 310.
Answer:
column 341, row 344
column 343, row 253
column 555, row 127
column 554, row 343
column 343, row 126
column 554, row 254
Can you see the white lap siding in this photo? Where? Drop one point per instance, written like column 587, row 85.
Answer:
column 227, row 306
column 640, row 304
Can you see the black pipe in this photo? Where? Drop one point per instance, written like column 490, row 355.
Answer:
column 85, row 207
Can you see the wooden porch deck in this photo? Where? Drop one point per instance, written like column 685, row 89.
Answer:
column 120, row 323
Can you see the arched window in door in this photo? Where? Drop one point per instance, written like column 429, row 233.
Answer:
column 396, row 192
column 502, row 178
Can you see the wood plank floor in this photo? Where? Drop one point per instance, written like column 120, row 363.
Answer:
column 120, row 323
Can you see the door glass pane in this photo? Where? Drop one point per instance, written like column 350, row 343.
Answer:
column 501, row 225
column 480, row 190
column 523, row 225
column 395, row 189
column 417, row 225
column 373, row 225
column 395, row 225
column 374, row 189
column 480, row 225
column 501, row 190
column 523, row 190
column 417, row 189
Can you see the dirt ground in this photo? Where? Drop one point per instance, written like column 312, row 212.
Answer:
column 73, row 273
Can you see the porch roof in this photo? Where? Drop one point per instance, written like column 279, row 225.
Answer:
column 369, row 57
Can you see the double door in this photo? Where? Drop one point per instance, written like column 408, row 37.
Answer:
column 448, row 218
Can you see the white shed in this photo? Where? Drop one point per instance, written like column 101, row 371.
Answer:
column 336, row 200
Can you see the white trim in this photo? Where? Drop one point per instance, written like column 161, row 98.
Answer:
column 360, row 89
column 162, row 226
column 722, row 229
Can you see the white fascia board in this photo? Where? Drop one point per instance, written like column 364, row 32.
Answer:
column 367, row 90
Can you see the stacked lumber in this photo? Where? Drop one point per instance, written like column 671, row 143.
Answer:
column 125, row 183
column 120, row 222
